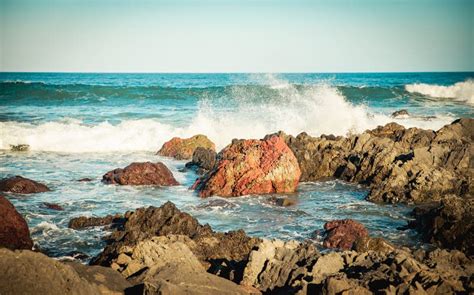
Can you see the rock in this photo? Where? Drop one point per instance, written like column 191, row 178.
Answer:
column 366, row 243
column 84, row 222
column 400, row 114
column 27, row 272
column 204, row 160
column 343, row 233
column 14, row 232
column 85, row 179
column 183, row 149
column 398, row 165
column 283, row 202
column 211, row 247
column 449, row 223
column 141, row 174
column 52, row 206
column 252, row 167
column 19, row 147
column 339, row 284
column 21, row 185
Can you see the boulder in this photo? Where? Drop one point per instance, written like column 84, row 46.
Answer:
column 21, row 185
column 27, row 272
column 14, row 232
column 183, row 149
column 366, row 243
column 251, row 167
column 146, row 173
column 449, row 223
column 84, row 222
column 400, row 113
column 203, row 159
column 342, row 234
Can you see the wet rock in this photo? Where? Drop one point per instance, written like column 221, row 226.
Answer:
column 398, row 165
column 449, row 223
column 27, row 272
column 284, row 202
column 400, row 113
column 252, row 167
column 52, row 206
column 203, row 160
column 85, row 179
column 21, row 185
column 14, row 232
column 20, row 147
column 146, row 173
column 366, row 243
column 342, row 234
column 183, row 149
column 84, row 222
column 212, row 248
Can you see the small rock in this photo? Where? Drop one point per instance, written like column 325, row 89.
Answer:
column 52, row 206
column 342, row 233
column 183, row 149
column 84, row 179
column 400, row 113
column 21, row 185
column 84, row 222
column 283, row 202
column 141, row 174
column 20, row 147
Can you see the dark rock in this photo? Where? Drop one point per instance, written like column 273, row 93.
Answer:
column 21, row 185
column 400, row 113
column 20, row 147
column 85, row 179
column 204, row 160
column 449, row 223
column 52, row 206
column 84, row 222
column 141, row 174
column 284, row 202
column 342, row 234
column 14, row 232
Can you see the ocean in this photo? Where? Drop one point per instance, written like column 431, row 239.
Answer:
column 83, row 125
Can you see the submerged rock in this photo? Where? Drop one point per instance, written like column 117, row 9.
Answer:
column 21, row 185
column 14, row 232
column 342, row 234
column 84, row 222
column 398, row 165
column 20, row 147
column 52, row 206
column 27, row 272
column 252, row 167
column 203, row 159
column 183, row 149
column 146, row 173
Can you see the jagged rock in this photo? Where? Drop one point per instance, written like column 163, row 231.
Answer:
column 19, row 147
column 400, row 113
column 14, row 232
column 397, row 164
column 84, row 222
column 21, row 185
column 251, row 167
column 183, row 149
column 342, row 234
column 27, row 272
column 141, row 174
column 52, row 206
column 366, row 243
column 449, row 223
column 204, row 160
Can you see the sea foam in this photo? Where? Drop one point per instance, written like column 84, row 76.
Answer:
column 317, row 109
column 461, row 91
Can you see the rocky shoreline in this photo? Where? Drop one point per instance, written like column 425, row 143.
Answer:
column 161, row 250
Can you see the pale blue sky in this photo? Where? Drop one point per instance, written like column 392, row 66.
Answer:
column 237, row 36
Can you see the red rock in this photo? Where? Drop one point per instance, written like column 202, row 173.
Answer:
column 21, row 185
column 14, row 232
column 183, row 149
column 141, row 174
column 343, row 233
column 52, row 206
column 252, row 167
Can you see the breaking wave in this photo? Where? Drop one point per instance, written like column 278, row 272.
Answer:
column 461, row 91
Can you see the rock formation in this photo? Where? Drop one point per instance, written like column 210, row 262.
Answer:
column 203, row 160
column 342, row 234
column 21, row 185
column 14, row 232
column 146, row 173
column 82, row 222
column 183, row 149
column 252, row 167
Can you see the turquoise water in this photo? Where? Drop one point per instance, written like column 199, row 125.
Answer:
column 83, row 125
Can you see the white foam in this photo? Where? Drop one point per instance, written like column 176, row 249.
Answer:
column 318, row 109
column 461, row 91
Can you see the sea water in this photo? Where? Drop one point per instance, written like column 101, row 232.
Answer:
column 83, row 125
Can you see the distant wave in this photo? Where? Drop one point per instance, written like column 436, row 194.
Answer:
column 461, row 91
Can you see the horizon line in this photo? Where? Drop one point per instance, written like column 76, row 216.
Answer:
column 218, row 72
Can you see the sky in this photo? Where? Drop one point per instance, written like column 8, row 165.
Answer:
column 236, row 36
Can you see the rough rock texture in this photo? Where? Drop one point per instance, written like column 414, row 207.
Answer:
column 276, row 267
column 84, row 222
column 366, row 243
column 252, row 167
column 21, row 185
column 203, row 160
column 146, row 173
column 400, row 113
column 211, row 248
column 14, row 232
column 448, row 224
column 27, row 272
column 397, row 164
column 342, row 234
column 183, row 149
